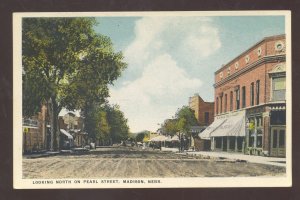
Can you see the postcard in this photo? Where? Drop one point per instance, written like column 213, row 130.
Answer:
column 152, row 99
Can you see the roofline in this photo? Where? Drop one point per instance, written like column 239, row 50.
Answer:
column 244, row 52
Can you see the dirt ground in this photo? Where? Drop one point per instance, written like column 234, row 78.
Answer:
column 124, row 162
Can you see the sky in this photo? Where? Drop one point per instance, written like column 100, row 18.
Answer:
column 170, row 58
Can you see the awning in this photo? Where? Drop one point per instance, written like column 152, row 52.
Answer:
column 66, row 134
column 207, row 132
column 159, row 138
column 233, row 126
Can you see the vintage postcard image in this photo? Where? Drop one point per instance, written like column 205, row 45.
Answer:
column 152, row 99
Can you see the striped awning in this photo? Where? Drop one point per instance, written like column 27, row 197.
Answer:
column 232, row 124
column 211, row 128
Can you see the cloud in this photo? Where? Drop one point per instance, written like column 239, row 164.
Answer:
column 156, row 95
column 157, row 80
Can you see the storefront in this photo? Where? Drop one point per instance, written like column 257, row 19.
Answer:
column 227, row 132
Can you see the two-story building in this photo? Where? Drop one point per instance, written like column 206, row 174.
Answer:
column 250, row 101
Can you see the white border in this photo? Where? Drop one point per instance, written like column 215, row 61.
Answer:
column 20, row 183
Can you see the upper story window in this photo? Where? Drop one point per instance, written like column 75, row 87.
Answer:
column 231, row 101
column 257, row 91
column 225, row 103
column 237, row 98
column 252, row 94
column 278, row 82
column 278, row 88
column 217, row 105
column 243, row 97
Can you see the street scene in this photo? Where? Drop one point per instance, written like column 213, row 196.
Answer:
column 154, row 96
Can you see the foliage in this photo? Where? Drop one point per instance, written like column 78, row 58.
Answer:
column 141, row 135
column 66, row 64
column 118, row 122
column 184, row 119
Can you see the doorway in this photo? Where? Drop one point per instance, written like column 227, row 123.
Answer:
column 278, row 141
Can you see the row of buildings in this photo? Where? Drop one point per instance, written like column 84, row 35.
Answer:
column 37, row 135
column 249, row 111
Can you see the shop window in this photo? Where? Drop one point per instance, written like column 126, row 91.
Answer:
column 278, row 86
column 274, row 139
column 278, row 118
column 259, row 141
column 259, row 138
column 251, row 138
column 231, row 143
column 218, row 141
column 240, row 143
column 281, row 138
column 243, row 97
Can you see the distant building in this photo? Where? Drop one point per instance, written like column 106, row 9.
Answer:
column 204, row 113
column 71, row 128
column 35, row 132
column 250, row 101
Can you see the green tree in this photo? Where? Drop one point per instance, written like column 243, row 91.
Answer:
column 185, row 119
column 65, row 64
column 119, row 129
column 170, row 127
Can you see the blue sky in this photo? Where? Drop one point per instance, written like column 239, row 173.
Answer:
column 171, row 58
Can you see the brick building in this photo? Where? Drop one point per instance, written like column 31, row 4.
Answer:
column 250, row 101
column 35, row 132
column 204, row 111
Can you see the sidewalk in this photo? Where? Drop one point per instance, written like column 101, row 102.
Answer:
column 41, row 155
column 242, row 157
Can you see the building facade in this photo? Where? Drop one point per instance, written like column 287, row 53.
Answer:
column 204, row 111
column 35, row 132
column 250, row 101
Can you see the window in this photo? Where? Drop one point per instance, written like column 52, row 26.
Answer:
column 278, row 86
column 237, row 95
column 217, row 105
column 243, row 97
column 231, row 100
column 221, row 104
column 275, row 139
column 218, row 141
column 252, row 94
column 257, row 91
column 206, row 118
column 281, row 138
column 225, row 106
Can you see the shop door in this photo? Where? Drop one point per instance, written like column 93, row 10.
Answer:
column 278, row 141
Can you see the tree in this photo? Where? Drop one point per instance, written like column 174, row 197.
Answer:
column 119, row 129
column 186, row 118
column 96, row 124
column 65, row 64
column 170, row 127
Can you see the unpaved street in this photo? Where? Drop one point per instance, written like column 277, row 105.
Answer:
column 130, row 162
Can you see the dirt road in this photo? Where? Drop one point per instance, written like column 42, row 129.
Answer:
column 130, row 163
